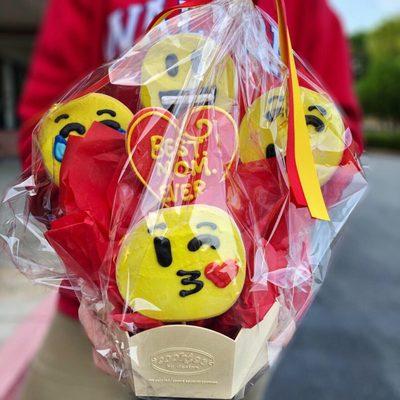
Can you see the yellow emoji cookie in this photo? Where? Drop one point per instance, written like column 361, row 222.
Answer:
column 177, row 73
column 75, row 118
column 264, row 130
column 182, row 264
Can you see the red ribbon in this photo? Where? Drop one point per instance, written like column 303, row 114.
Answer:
column 294, row 179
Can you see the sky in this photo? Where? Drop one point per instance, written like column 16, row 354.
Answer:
column 361, row 15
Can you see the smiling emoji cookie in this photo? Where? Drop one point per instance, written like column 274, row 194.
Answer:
column 263, row 130
column 176, row 74
column 75, row 118
column 182, row 264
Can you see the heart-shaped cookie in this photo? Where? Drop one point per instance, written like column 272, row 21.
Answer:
column 180, row 160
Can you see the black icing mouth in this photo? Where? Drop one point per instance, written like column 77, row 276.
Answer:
column 171, row 99
column 270, row 151
column 72, row 127
column 190, row 278
column 316, row 122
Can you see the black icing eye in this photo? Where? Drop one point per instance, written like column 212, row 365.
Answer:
column 270, row 151
column 271, row 115
column 112, row 113
column 321, row 110
column 197, row 242
column 60, row 117
column 316, row 122
column 162, row 246
column 112, row 124
column 273, row 99
column 171, row 65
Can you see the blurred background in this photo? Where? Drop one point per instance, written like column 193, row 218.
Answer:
column 349, row 343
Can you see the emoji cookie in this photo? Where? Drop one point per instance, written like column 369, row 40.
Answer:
column 75, row 118
column 182, row 264
column 263, row 130
column 176, row 74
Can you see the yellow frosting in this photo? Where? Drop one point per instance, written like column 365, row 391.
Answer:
column 173, row 246
column 265, row 125
column 187, row 69
column 80, row 112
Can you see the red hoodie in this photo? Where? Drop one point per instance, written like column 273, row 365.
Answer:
column 79, row 35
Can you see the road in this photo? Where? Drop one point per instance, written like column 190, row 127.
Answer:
column 348, row 346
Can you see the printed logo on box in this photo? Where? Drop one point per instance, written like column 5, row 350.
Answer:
column 182, row 361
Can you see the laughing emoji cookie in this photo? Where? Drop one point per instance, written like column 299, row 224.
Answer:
column 263, row 130
column 177, row 74
column 75, row 118
column 182, row 264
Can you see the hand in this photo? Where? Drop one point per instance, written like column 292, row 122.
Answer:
column 282, row 339
column 103, row 348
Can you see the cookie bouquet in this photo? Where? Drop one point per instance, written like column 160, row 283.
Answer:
column 195, row 185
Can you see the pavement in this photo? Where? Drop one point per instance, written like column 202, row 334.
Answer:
column 348, row 346
column 18, row 296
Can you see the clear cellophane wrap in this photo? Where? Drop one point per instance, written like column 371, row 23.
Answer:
column 159, row 192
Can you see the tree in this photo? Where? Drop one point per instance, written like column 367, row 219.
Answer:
column 379, row 84
column 385, row 40
column 359, row 54
column 379, row 90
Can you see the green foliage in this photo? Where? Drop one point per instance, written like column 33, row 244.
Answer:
column 385, row 40
column 379, row 89
column 360, row 54
column 378, row 52
column 383, row 140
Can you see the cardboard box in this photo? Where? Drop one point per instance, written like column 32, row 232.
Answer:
column 184, row 361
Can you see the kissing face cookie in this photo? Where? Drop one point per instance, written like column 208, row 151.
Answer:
column 182, row 264
column 75, row 118
column 176, row 74
column 263, row 130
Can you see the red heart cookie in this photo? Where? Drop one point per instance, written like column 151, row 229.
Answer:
column 221, row 275
column 178, row 160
